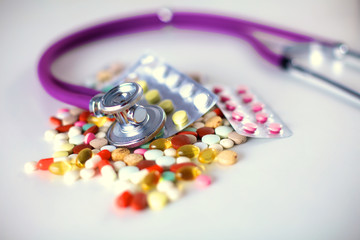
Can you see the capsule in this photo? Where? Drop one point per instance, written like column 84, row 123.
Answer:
column 60, row 168
column 187, row 173
column 82, row 157
column 150, row 180
column 188, row 150
column 161, row 144
column 207, row 155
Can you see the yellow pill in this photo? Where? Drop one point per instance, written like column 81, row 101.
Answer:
column 60, row 154
column 180, row 117
column 152, row 96
column 83, row 156
column 98, row 121
column 167, row 105
column 157, row 200
column 161, row 144
column 188, row 173
column 150, row 180
column 143, row 85
column 188, row 150
column 60, row 168
column 207, row 155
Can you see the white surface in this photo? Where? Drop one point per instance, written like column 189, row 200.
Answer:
column 303, row 187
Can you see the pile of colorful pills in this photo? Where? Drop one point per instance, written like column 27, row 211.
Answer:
column 147, row 177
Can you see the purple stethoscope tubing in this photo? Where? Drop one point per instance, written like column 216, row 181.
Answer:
column 80, row 96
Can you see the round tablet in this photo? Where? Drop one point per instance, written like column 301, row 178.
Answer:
column 167, row 105
column 143, row 85
column 180, row 117
column 223, row 131
column 152, row 96
column 210, row 139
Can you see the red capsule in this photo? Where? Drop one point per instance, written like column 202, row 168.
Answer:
column 94, row 129
column 205, row 131
column 80, row 147
column 102, row 162
column 180, row 140
column 64, row 128
column 145, row 164
column 84, row 116
column 155, row 168
column 218, row 112
column 104, row 154
column 139, row 201
column 188, row 132
column 124, row 200
column 44, row 164
column 176, row 167
column 55, row 121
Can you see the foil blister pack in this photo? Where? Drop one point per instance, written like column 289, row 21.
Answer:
column 183, row 99
column 248, row 114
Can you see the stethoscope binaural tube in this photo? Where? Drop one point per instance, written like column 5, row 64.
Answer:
column 80, row 96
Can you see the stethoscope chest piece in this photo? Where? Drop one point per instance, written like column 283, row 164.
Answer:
column 135, row 124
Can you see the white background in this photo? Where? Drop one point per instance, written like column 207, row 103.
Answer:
column 302, row 187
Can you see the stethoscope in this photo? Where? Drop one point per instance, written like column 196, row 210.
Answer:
column 239, row 28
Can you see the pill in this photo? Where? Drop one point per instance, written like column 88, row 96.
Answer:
column 87, row 173
column 121, row 186
column 83, row 156
column 140, row 151
column 87, row 126
column 161, row 144
column 146, row 145
column 226, row 122
column 150, row 180
column 226, row 143
column 69, row 120
column 95, row 151
column 165, row 185
column 223, row 131
column 205, row 131
column 168, row 176
column 89, row 137
column 203, row 181
column 63, row 129
column 143, row 84
column 92, row 162
column 124, row 199
column 118, row 165
column 60, row 154
column 74, row 131
column 79, row 124
column 202, row 101
column 126, row 172
column 230, row 105
column 274, row 128
column 207, row 116
column 237, row 115
column 165, row 161
column 157, row 200
column 182, row 160
column 75, row 111
column 180, row 140
column 207, row 156
column 198, row 125
column 152, row 96
column 201, row 145
column 194, row 133
column 153, row 154
column 177, row 166
column 237, row 138
column 246, row 98
column 261, row 117
column 189, row 151
column 187, row 173
column 60, row 168
column 167, row 105
column 119, row 154
column 139, row 201
column 250, row 127
column 110, row 148
column 227, row 157
column 170, row 152
column 192, row 138
column 30, row 167
column 77, row 140
column 108, row 173
column 98, row 142
column 213, row 122
column 217, row 147
column 71, row 176
column 210, row 139
column 224, row 98
column 217, row 89
column 80, row 147
column 49, row 135
column 256, row 107
column 61, row 136
column 133, row 159
column 84, row 116
column 187, row 90
column 100, row 135
column 173, row 194
column 241, row 89
column 145, row 164
column 43, row 164
column 56, row 122
column 66, row 147
column 180, row 117
column 58, row 159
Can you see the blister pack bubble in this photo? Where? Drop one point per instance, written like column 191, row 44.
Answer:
column 248, row 114
column 184, row 93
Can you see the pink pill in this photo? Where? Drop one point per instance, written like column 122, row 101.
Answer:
column 230, row 105
column 237, row 115
column 247, row 98
column 274, row 128
column 203, row 181
column 261, row 117
column 241, row 89
column 250, row 127
column 89, row 137
column 256, row 107
column 217, row 90
column 224, row 98
column 79, row 123
column 140, row 151
column 63, row 110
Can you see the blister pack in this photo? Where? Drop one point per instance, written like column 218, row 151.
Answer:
column 249, row 114
column 183, row 99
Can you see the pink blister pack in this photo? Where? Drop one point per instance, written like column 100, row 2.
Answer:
column 248, row 114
